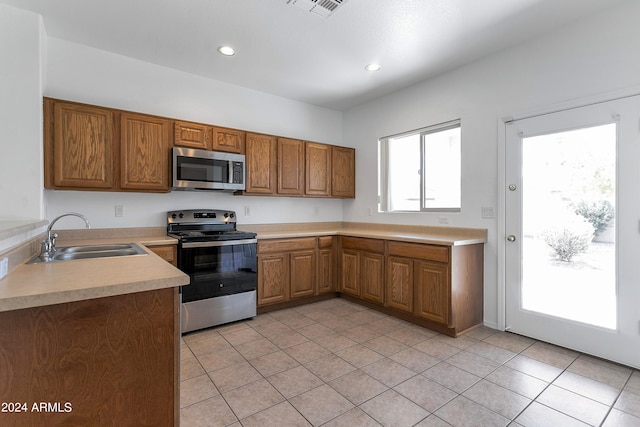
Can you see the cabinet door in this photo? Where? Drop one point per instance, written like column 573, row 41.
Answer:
column 343, row 174
column 400, row 283
column 273, row 278
column 350, row 272
column 326, row 264
column 432, row 293
column 317, row 169
column 144, row 152
column 290, row 167
column 191, row 135
column 79, row 146
column 302, row 273
column 230, row 140
column 372, row 277
column 261, row 164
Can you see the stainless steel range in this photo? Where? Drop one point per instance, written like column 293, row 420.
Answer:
column 222, row 264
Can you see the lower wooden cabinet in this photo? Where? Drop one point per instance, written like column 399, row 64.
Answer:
column 399, row 280
column 436, row 286
column 302, row 276
column 433, row 292
column 295, row 268
column 372, row 277
column 362, row 268
column 273, row 278
column 326, row 264
column 105, row 361
column 350, row 272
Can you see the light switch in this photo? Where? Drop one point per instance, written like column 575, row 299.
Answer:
column 119, row 210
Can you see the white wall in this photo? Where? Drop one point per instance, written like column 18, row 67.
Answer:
column 80, row 73
column 20, row 114
column 595, row 56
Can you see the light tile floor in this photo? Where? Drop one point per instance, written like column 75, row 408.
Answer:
column 335, row 363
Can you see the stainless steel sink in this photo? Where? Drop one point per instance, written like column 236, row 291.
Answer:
column 91, row 251
column 95, row 248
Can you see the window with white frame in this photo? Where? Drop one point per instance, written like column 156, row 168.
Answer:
column 420, row 170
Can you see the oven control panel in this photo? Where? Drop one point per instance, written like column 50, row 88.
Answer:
column 201, row 216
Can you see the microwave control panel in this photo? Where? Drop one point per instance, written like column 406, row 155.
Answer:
column 238, row 173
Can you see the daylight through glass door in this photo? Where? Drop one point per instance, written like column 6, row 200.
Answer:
column 568, row 225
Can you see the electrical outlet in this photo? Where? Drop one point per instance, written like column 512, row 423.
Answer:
column 4, row 267
column 443, row 220
column 247, row 211
column 119, row 210
column 369, row 211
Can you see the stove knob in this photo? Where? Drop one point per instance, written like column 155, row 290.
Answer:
column 174, row 216
column 232, row 214
column 181, row 215
column 226, row 215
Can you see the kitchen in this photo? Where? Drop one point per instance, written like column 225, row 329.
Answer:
column 480, row 93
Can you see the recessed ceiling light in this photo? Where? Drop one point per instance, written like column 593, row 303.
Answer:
column 226, row 50
column 372, row 67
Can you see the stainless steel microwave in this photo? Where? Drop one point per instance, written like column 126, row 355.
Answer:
column 207, row 170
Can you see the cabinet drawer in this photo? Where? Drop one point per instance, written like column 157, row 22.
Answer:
column 419, row 251
column 286, row 245
column 325, row 242
column 360, row 244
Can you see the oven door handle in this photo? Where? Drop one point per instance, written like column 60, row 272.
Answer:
column 218, row 243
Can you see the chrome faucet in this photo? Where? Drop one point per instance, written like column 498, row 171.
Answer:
column 49, row 243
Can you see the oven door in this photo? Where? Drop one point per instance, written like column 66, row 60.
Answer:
column 218, row 268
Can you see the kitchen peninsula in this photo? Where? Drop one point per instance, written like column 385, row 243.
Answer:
column 91, row 341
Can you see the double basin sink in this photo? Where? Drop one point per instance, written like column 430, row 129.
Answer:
column 91, row 251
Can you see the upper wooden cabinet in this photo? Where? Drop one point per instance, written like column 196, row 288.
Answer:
column 343, row 174
column 230, row 140
column 190, row 135
column 79, row 146
column 95, row 148
column 144, row 152
column 317, row 169
column 204, row 137
column 290, row 167
column 261, row 164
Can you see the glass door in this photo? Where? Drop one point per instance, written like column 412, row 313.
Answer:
column 565, row 208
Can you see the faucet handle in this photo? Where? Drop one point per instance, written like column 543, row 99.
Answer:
column 54, row 236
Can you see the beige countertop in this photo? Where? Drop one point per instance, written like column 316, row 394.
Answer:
column 447, row 236
column 34, row 285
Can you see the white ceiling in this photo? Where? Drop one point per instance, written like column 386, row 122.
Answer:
column 287, row 51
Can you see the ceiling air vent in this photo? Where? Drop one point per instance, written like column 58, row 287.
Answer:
column 323, row 8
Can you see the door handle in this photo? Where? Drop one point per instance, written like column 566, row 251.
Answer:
column 511, row 238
